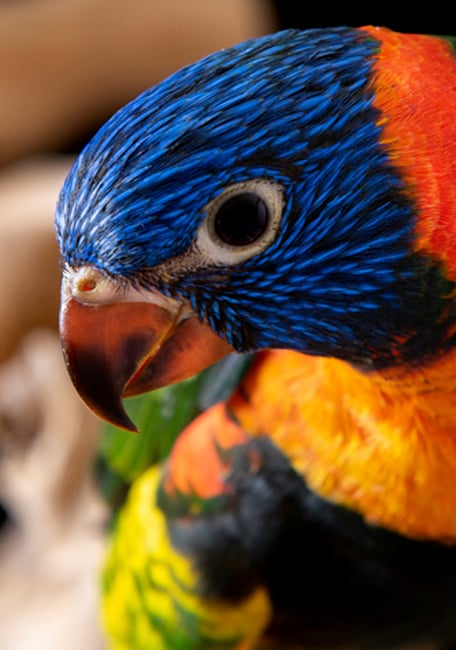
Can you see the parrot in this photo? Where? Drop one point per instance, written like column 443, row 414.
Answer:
column 290, row 202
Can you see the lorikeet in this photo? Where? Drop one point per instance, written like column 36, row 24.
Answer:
column 294, row 198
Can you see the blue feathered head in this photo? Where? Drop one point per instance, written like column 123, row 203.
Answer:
column 253, row 189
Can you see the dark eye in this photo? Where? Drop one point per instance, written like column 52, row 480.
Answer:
column 242, row 219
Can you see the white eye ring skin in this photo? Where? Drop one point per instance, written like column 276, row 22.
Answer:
column 214, row 250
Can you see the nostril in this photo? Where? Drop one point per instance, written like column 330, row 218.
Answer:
column 85, row 285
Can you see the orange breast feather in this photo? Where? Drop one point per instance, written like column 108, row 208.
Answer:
column 383, row 446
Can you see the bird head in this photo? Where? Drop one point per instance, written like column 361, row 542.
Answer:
column 246, row 202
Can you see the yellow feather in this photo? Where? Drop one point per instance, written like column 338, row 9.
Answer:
column 151, row 600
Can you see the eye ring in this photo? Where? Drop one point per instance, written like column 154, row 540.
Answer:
column 241, row 221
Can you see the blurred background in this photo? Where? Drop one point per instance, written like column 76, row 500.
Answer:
column 65, row 66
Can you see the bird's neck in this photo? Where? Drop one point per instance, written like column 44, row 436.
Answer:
column 409, row 71
column 383, row 444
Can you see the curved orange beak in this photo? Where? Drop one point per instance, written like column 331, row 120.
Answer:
column 120, row 349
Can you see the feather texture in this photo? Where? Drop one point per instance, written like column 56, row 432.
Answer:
column 315, row 505
column 302, row 523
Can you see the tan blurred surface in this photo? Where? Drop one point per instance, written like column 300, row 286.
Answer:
column 51, row 551
column 67, row 64
column 29, row 260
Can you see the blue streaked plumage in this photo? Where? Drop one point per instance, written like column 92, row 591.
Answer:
column 164, row 148
column 293, row 107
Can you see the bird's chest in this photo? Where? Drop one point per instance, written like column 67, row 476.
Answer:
column 361, row 444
